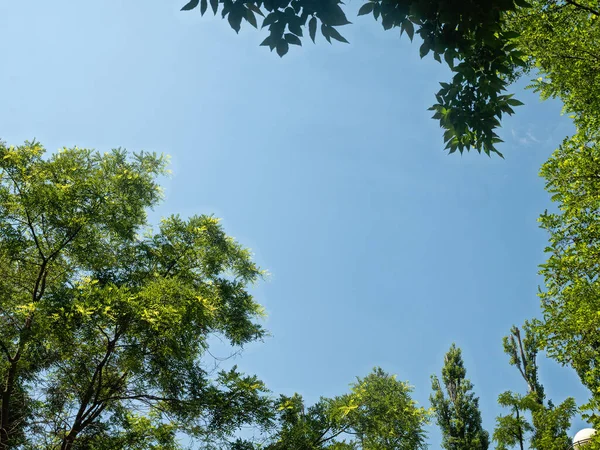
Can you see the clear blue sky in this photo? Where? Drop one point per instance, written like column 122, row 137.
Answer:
column 383, row 250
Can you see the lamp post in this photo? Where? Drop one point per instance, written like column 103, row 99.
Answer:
column 582, row 438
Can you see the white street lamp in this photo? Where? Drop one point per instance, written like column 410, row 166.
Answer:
column 583, row 437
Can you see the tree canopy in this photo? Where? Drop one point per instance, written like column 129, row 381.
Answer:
column 457, row 409
column 570, row 300
column 377, row 414
column 531, row 423
column 104, row 320
column 468, row 35
column 487, row 44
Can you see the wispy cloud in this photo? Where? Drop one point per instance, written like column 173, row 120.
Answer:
column 527, row 138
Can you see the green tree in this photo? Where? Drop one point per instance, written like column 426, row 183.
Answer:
column 561, row 40
column 549, row 424
column 512, row 429
column 457, row 411
column 487, row 44
column 571, row 298
column 309, row 428
column 469, row 36
column 380, row 412
column 104, row 321
column 377, row 414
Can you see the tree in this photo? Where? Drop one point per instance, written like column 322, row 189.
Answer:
column 309, row 428
column 487, row 44
column 377, row 414
column 512, row 429
column 549, row 424
column 571, row 298
column 457, row 411
column 561, row 41
column 469, row 35
column 381, row 414
column 104, row 321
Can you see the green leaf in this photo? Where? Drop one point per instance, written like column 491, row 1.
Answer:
column 255, row 8
column 295, row 28
column 334, row 16
column 251, row 18
column 510, row 35
column 292, row 39
column 268, row 42
column 424, row 49
column 325, row 32
column 270, row 19
column 408, row 27
column 191, row 5
column 367, row 8
column 449, row 59
column 214, row 4
column 514, row 102
column 235, row 20
column 336, row 35
column 203, row 7
column 312, row 28
column 282, row 47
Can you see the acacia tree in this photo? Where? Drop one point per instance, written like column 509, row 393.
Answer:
column 457, row 411
column 549, row 424
column 104, row 321
column 377, row 414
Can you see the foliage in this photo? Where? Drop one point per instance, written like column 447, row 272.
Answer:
column 377, row 414
column 561, row 40
column 104, row 321
column 469, row 36
column 457, row 410
column 571, row 299
column 549, row 424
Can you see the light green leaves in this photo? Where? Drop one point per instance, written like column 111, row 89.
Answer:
column 569, row 301
column 377, row 414
column 115, row 315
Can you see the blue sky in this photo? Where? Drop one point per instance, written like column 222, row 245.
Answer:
column 382, row 249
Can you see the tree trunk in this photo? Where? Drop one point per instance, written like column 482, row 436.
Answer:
column 5, row 418
column 69, row 439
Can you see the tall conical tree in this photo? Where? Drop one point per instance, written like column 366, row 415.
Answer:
column 548, row 426
column 457, row 409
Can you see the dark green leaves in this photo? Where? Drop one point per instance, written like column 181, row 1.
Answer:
column 191, row 5
column 282, row 47
column 312, row 28
column 333, row 33
column 214, row 4
column 367, row 8
column 514, row 102
column 457, row 409
column 235, row 20
column 325, row 32
column 292, row 39
column 408, row 26
column 251, row 18
column 470, row 38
